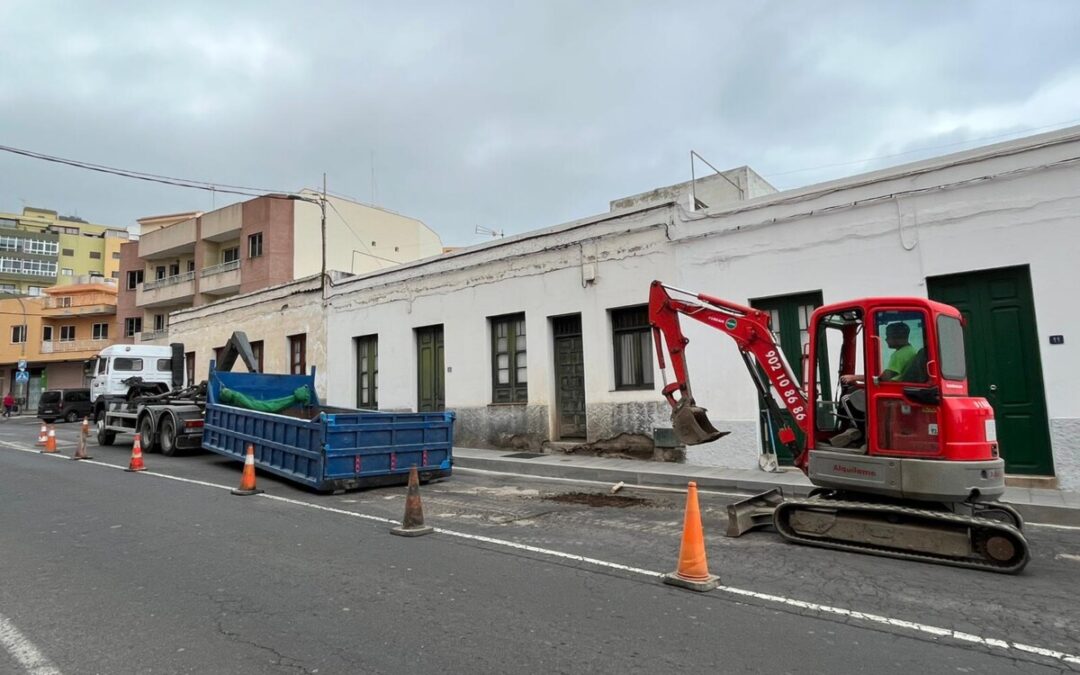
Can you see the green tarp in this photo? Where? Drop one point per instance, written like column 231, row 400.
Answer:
column 302, row 396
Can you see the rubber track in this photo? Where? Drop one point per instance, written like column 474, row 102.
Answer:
column 970, row 523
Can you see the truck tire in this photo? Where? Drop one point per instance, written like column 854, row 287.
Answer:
column 104, row 437
column 167, row 437
column 146, row 434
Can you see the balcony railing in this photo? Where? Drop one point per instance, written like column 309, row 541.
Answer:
column 169, row 281
column 218, row 269
column 81, row 300
column 63, row 346
column 148, row 335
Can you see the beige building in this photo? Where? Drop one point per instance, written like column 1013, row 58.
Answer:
column 193, row 259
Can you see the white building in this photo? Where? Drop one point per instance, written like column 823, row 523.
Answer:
column 543, row 336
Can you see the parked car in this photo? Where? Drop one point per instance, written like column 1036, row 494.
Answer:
column 69, row 404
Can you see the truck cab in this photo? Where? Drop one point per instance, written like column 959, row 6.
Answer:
column 113, row 365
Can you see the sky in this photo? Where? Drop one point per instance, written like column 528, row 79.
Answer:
column 510, row 116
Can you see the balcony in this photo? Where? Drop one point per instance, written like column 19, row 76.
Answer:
column 84, row 304
column 168, row 242
column 220, row 279
column 66, row 346
column 175, row 290
column 223, row 224
column 151, row 335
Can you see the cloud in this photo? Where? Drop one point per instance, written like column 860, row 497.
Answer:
column 510, row 115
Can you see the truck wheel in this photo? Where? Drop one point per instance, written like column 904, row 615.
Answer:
column 168, row 436
column 104, row 437
column 72, row 416
column 146, row 433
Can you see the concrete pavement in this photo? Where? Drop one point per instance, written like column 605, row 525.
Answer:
column 1057, row 507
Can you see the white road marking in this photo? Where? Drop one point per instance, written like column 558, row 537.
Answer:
column 23, row 651
column 935, row 631
column 1068, row 556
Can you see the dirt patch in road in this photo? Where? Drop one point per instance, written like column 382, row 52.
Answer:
column 590, row 499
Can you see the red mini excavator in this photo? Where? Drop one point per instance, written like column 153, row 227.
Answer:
column 904, row 461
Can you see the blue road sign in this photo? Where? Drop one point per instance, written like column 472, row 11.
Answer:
column 22, row 376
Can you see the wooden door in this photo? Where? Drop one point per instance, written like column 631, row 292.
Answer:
column 569, row 377
column 431, row 394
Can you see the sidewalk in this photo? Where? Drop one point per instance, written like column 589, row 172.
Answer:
column 1057, row 507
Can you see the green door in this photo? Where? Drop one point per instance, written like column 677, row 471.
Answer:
column 1003, row 363
column 431, row 395
column 791, row 329
column 569, row 376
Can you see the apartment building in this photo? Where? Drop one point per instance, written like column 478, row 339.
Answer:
column 40, row 248
column 192, row 259
column 55, row 333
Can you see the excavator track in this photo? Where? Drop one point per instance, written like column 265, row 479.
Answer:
column 903, row 532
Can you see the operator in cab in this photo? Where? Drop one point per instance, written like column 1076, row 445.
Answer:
column 896, row 337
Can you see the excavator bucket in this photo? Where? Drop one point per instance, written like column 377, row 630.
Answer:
column 692, row 425
column 752, row 512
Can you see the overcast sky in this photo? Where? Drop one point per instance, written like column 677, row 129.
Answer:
column 507, row 115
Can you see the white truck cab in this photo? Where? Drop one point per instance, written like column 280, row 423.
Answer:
column 117, row 363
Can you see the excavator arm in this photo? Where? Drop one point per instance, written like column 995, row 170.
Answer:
column 749, row 328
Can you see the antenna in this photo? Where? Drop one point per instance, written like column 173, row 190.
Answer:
column 480, row 229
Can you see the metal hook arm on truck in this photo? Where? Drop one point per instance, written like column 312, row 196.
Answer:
column 906, row 463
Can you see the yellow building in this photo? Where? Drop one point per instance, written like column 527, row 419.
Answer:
column 64, row 327
column 40, row 248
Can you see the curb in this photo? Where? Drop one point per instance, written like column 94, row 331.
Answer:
column 661, row 475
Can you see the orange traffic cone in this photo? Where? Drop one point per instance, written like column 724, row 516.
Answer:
column 43, row 435
column 136, row 456
column 80, row 449
column 50, row 440
column 247, row 481
column 693, row 570
column 412, row 525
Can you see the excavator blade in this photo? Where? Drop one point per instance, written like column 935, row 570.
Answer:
column 752, row 512
column 692, row 426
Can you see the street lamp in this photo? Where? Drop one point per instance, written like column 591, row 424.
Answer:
column 322, row 208
column 22, row 344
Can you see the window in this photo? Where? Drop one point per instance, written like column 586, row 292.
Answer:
column 39, row 247
column 901, row 336
column 159, row 272
column 115, row 274
column 10, row 288
column 95, row 255
column 367, row 372
column 101, row 331
column 69, row 251
column 164, row 365
column 116, row 255
column 159, row 322
column 46, row 333
column 134, row 278
column 257, row 352
column 37, row 268
column 229, row 255
column 126, row 364
column 509, row 371
column 67, row 271
column 174, row 269
column 633, row 348
column 189, row 366
column 255, row 245
column 8, row 222
column 191, row 266
column 298, row 354
column 102, row 366
column 63, row 301
column 67, row 333
column 951, row 347
column 18, row 334
column 132, row 325
column 33, row 291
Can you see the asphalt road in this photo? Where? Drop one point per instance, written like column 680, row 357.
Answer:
column 111, row 572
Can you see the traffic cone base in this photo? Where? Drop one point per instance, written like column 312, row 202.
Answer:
column 693, row 569
column 247, row 480
column 412, row 525
column 136, row 456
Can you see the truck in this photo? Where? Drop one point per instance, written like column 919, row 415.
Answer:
column 143, row 389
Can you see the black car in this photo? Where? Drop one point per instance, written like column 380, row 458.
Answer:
column 69, row 404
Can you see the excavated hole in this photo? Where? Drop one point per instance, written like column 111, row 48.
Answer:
column 589, row 499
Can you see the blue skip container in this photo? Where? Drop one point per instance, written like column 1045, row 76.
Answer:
column 326, row 449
